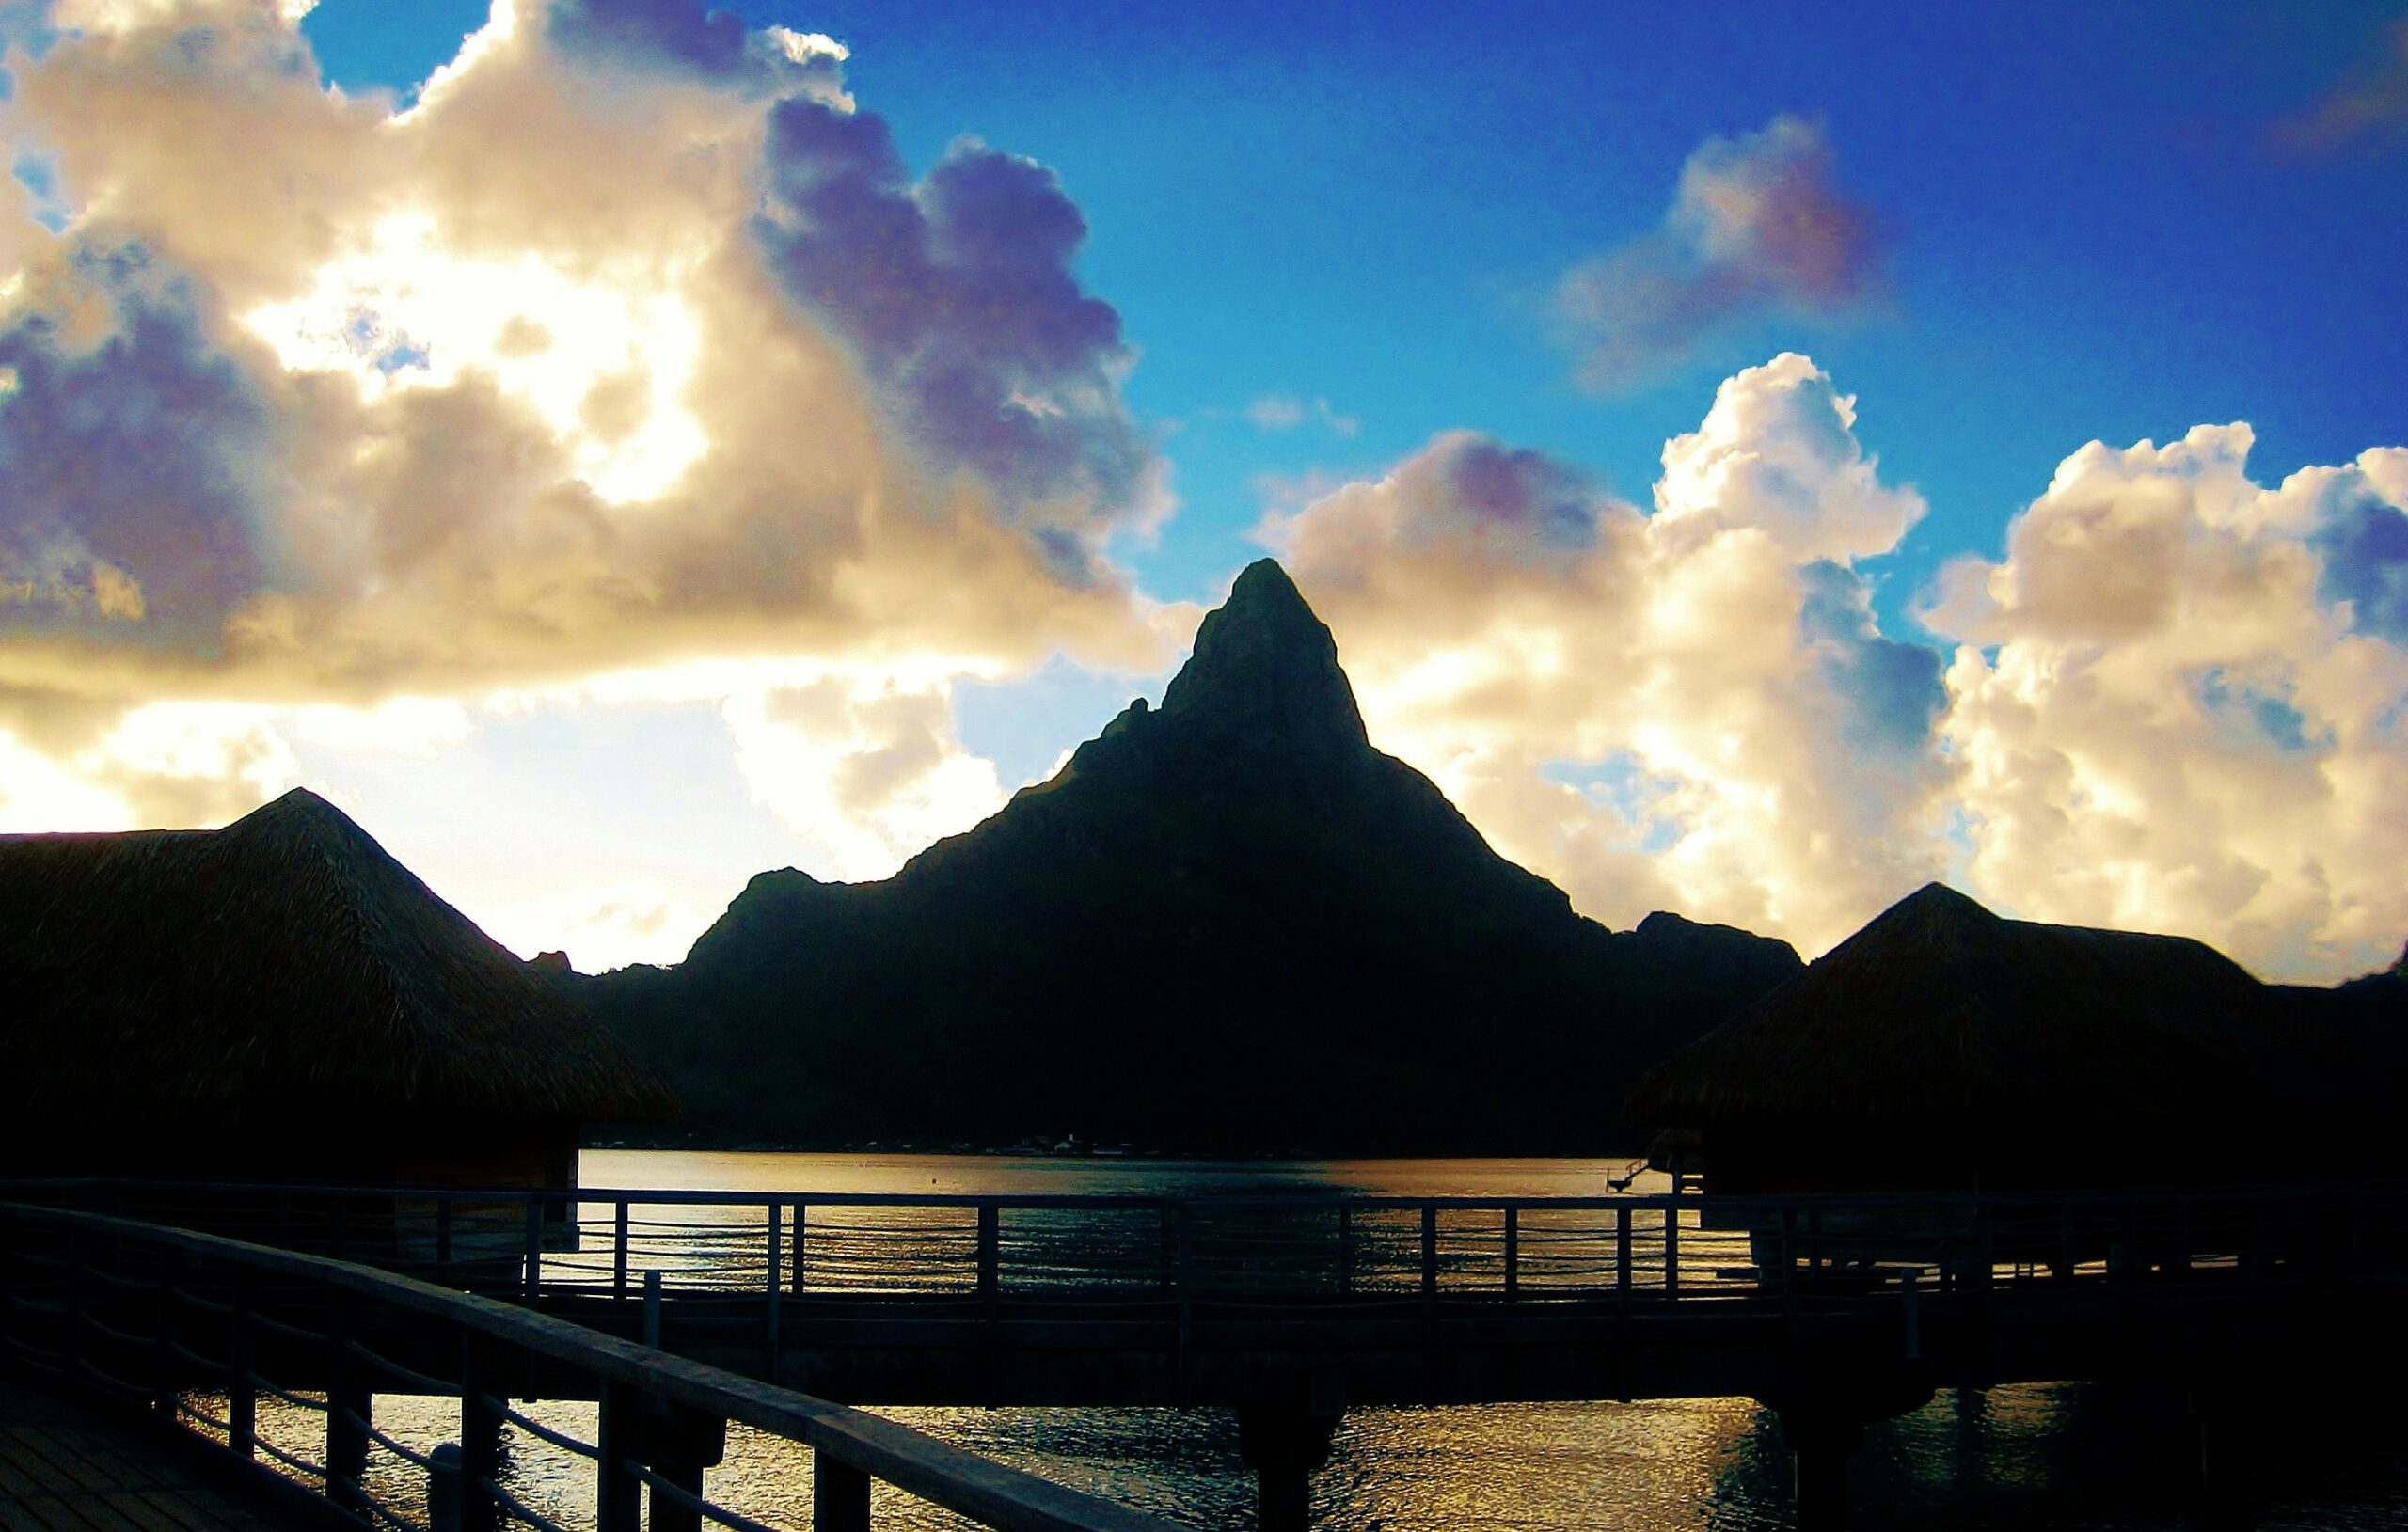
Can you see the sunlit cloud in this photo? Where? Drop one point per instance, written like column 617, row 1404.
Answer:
column 2178, row 703
column 1693, row 709
column 604, row 925
column 604, row 364
column 1758, row 224
column 2181, row 703
column 625, row 349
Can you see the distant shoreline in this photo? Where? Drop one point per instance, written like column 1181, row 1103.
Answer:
column 655, row 1144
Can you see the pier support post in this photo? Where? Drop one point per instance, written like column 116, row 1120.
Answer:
column 1820, row 1441
column 679, row 1445
column 1283, row 1445
column 2225, row 1497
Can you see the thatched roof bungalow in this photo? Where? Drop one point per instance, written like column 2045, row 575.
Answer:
column 1943, row 1048
column 280, row 999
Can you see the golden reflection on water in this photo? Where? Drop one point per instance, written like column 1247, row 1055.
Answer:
column 2054, row 1456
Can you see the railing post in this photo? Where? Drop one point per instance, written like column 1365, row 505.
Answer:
column 242, row 1393
column 1512, row 1253
column 991, row 1238
column 776, row 1285
column 480, row 1436
column 1911, row 1309
column 78, row 1339
column 1673, row 1248
column 443, row 1240
column 1345, row 1251
column 339, row 1241
column 1186, row 1299
column 1985, row 1238
column 618, row 1250
column 534, row 1251
column 618, row 1494
column 1789, row 1258
column 349, row 1405
column 164, row 1349
column 800, row 1278
column 652, row 1309
column 839, row 1495
column 1429, row 1251
column 1622, row 1253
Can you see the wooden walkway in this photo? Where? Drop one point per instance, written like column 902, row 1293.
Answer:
column 64, row 1468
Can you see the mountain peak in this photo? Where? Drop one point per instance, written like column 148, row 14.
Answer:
column 1265, row 673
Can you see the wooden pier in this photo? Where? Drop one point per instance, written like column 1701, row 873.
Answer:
column 1836, row 1312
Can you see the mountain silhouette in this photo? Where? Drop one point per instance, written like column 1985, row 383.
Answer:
column 1226, row 925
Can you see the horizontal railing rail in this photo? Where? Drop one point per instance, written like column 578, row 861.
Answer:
column 187, row 1323
column 788, row 1248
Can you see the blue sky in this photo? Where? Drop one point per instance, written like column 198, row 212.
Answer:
column 2090, row 233
column 1333, row 234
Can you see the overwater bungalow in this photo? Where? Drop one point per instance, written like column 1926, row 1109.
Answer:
column 281, row 1001
column 1944, row 1048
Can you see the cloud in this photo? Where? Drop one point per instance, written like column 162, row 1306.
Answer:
column 1285, row 412
column 2367, row 108
column 626, row 348
column 1692, row 709
column 2181, row 701
column 956, row 297
column 2178, row 701
column 867, row 770
column 603, row 927
column 1757, row 224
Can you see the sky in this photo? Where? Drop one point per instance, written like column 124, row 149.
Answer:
column 1755, row 459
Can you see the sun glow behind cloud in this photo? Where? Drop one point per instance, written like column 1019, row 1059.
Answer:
column 605, row 363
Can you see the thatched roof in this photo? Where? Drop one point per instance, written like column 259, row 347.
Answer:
column 282, row 966
column 1941, row 1013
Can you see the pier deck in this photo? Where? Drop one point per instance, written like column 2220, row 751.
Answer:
column 64, row 1468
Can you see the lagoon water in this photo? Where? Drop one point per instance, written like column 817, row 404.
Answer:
column 2065, row 1456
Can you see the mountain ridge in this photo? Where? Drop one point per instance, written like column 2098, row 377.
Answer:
column 1228, row 924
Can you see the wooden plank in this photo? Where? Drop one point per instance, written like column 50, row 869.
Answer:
column 134, row 1505
column 194, row 1509
column 16, row 1516
column 71, row 1513
column 22, row 1472
column 118, row 1465
column 71, row 1469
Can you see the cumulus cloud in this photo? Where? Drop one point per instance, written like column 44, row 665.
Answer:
column 867, row 770
column 628, row 345
column 1758, row 223
column 2178, row 701
column 1694, row 708
column 2367, row 108
column 2181, row 701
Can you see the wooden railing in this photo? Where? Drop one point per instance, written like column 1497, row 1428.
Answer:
column 1118, row 1250
column 183, row 1323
